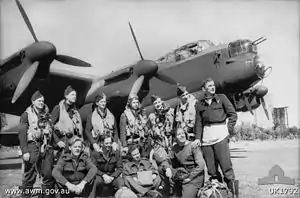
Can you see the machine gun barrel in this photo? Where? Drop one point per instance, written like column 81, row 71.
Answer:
column 259, row 40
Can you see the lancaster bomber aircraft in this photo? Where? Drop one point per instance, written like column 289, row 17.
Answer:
column 235, row 67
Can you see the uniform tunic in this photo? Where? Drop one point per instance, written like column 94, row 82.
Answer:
column 191, row 159
column 212, row 131
column 109, row 163
column 217, row 112
column 74, row 170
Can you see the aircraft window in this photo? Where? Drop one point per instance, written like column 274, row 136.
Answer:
column 241, row 47
column 202, row 45
column 186, row 51
column 235, row 49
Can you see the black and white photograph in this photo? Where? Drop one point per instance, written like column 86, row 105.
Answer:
column 149, row 98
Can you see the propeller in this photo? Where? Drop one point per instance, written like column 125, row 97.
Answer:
column 26, row 79
column 17, row 128
column 26, row 19
column 71, row 61
column 135, row 40
column 61, row 58
column 259, row 91
column 247, row 104
column 137, row 85
column 265, row 107
column 146, row 69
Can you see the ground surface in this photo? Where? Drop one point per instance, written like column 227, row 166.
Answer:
column 251, row 161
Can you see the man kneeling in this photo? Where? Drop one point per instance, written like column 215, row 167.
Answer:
column 75, row 171
column 140, row 176
column 110, row 167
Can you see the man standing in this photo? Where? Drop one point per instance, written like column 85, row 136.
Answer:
column 100, row 123
column 36, row 144
column 161, row 120
column 133, row 126
column 213, row 132
column 110, row 167
column 185, row 112
column 66, row 119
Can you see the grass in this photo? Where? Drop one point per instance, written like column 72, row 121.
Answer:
column 251, row 160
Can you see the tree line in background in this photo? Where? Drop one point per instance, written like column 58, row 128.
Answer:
column 250, row 132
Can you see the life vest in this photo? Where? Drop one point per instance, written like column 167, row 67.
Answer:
column 67, row 125
column 102, row 125
column 34, row 132
column 136, row 124
column 162, row 123
column 185, row 115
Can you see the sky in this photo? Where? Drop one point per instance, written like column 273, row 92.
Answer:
column 97, row 31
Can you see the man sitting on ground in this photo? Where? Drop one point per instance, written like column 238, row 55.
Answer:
column 75, row 170
column 140, row 176
column 110, row 167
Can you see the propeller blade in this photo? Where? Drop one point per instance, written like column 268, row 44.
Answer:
column 26, row 19
column 265, row 107
column 71, row 61
column 136, row 43
column 25, row 80
column 17, row 128
column 166, row 79
column 137, row 85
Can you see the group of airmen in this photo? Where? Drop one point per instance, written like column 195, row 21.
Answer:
column 162, row 154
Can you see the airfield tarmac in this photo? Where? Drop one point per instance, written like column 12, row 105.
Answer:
column 251, row 160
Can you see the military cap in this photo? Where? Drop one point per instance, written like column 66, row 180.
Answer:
column 36, row 95
column 181, row 90
column 154, row 98
column 68, row 90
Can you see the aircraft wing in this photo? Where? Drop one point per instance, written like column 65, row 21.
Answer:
column 54, row 88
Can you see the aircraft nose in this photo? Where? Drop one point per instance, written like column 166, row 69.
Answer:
column 261, row 90
column 146, row 67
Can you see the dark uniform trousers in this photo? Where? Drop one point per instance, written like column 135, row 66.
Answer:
column 109, row 164
column 190, row 189
column 99, row 185
column 38, row 163
column 219, row 154
column 65, row 193
column 167, row 183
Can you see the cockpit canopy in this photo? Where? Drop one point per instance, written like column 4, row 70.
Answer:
column 240, row 47
column 186, row 51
